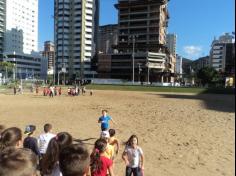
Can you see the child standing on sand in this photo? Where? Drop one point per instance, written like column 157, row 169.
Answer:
column 104, row 120
column 133, row 157
column 113, row 141
column 100, row 164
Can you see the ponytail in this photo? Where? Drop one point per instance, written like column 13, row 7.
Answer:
column 55, row 145
column 96, row 163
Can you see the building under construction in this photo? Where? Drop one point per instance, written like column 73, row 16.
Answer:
column 141, row 42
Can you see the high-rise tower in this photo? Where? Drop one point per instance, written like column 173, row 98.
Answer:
column 21, row 26
column 75, row 39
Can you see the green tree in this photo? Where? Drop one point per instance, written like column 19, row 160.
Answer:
column 6, row 67
column 208, row 75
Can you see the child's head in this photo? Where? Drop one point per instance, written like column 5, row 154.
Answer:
column 74, row 160
column 29, row 129
column 10, row 137
column 105, row 135
column 112, row 132
column 99, row 148
column 101, row 145
column 20, row 162
column 55, row 145
column 47, row 128
column 104, row 112
column 133, row 141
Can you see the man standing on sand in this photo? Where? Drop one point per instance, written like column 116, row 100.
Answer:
column 14, row 89
column 104, row 120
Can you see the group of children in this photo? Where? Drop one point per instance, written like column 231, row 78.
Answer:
column 56, row 154
column 51, row 91
column 108, row 147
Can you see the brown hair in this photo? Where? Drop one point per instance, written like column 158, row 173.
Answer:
column 129, row 142
column 20, row 162
column 10, row 137
column 2, row 127
column 104, row 110
column 55, row 145
column 47, row 127
column 74, row 160
column 96, row 163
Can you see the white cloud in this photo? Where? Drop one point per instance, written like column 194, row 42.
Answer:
column 193, row 52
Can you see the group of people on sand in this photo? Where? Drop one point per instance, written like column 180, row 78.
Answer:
column 76, row 91
column 52, row 154
column 51, row 91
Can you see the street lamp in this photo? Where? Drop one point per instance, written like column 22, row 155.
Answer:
column 133, row 41
column 139, row 70
column 147, row 64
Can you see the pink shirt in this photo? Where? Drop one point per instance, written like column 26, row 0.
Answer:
column 106, row 163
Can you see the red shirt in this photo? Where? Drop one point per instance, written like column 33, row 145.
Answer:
column 106, row 163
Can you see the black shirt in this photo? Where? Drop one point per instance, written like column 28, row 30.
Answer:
column 31, row 143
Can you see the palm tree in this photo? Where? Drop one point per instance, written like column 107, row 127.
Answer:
column 6, row 66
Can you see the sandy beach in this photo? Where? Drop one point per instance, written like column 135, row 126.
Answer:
column 180, row 134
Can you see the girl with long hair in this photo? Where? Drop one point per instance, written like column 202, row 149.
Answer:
column 100, row 164
column 49, row 164
column 133, row 157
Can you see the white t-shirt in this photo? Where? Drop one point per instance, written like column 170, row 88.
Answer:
column 43, row 141
column 133, row 156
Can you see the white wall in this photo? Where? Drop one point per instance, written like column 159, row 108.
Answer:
column 21, row 26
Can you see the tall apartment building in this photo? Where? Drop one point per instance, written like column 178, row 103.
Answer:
column 49, row 53
column 21, row 39
column 2, row 24
column 107, row 37
column 142, row 30
column 179, row 64
column 222, row 52
column 75, row 39
column 171, row 43
column 21, row 34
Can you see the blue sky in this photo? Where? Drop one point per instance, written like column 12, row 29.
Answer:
column 196, row 23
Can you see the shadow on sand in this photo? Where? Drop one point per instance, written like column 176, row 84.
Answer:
column 84, row 141
column 216, row 102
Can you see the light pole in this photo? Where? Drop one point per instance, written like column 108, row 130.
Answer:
column 58, row 77
column 139, row 71
column 147, row 64
column 133, row 41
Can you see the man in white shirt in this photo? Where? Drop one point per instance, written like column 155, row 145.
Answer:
column 45, row 138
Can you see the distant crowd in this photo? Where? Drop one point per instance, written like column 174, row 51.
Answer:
column 52, row 91
column 58, row 154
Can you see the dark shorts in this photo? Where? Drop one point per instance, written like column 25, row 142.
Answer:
column 136, row 171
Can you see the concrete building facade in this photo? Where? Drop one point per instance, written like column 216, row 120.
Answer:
column 200, row 63
column 2, row 24
column 141, row 41
column 75, row 36
column 21, row 39
column 107, row 37
column 21, row 33
column 49, row 53
column 222, row 52
column 179, row 65
column 171, row 40
column 27, row 66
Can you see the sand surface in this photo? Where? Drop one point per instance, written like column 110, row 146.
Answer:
column 181, row 135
